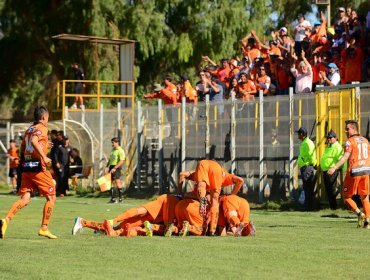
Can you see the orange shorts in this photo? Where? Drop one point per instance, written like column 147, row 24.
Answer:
column 237, row 204
column 41, row 180
column 163, row 206
column 356, row 185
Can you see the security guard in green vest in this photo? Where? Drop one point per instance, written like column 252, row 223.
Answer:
column 332, row 154
column 114, row 166
column 307, row 163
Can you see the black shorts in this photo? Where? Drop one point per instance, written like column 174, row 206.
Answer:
column 117, row 174
column 12, row 172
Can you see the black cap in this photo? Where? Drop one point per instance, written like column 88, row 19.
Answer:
column 331, row 134
column 115, row 139
column 65, row 137
column 184, row 78
column 302, row 130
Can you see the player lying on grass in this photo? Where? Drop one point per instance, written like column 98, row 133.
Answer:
column 157, row 216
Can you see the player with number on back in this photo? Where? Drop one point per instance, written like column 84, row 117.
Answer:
column 358, row 170
column 35, row 174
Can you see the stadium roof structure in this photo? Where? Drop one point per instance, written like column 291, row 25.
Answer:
column 93, row 39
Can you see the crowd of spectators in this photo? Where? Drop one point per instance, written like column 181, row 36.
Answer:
column 313, row 55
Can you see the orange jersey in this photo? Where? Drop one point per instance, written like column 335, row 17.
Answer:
column 210, row 172
column 263, row 83
column 13, row 152
column 246, row 90
column 359, row 160
column 237, row 204
column 163, row 206
column 188, row 210
column 190, row 93
column 41, row 132
column 352, row 66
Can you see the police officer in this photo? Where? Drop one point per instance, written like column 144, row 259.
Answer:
column 332, row 154
column 306, row 163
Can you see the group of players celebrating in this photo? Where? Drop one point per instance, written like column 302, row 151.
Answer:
column 201, row 212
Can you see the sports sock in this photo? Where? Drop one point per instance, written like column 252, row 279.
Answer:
column 351, row 204
column 214, row 219
column 366, row 206
column 18, row 205
column 130, row 213
column 48, row 211
column 92, row 225
column 119, row 193
column 112, row 193
column 234, row 221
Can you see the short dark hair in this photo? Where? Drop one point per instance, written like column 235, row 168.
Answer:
column 60, row 132
column 54, row 132
column 12, row 141
column 39, row 112
column 353, row 123
column 115, row 139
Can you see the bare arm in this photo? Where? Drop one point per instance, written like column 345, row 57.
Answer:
column 238, row 183
column 38, row 149
column 339, row 163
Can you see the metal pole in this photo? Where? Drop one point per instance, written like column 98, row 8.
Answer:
column 160, row 146
column 139, row 148
column 101, row 138
column 207, row 140
column 8, row 146
column 119, row 121
column 328, row 13
column 65, row 118
column 291, row 144
column 183, row 133
column 261, row 160
column 233, row 132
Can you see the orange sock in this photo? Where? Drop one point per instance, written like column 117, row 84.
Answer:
column 234, row 221
column 366, row 205
column 48, row 211
column 351, row 204
column 158, row 229
column 93, row 225
column 18, row 205
column 125, row 215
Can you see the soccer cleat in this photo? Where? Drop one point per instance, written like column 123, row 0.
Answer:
column 46, row 233
column 185, row 229
column 239, row 229
column 77, row 227
column 108, row 228
column 252, row 229
column 112, row 201
column 169, row 229
column 120, row 200
column 148, row 229
column 3, row 226
column 360, row 220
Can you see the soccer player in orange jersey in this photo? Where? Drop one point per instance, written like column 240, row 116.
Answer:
column 237, row 213
column 13, row 163
column 357, row 178
column 157, row 216
column 211, row 176
column 33, row 152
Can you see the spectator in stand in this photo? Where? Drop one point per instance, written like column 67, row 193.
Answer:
column 300, row 33
column 233, row 88
column 251, row 46
column 246, row 68
column 303, row 75
column 216, row 94
column 202, row 86
column 318, row 65
column 283, row 40
column 332, row 78
column 187, row 90
column 341, row 19
column 263, row 81
column 222, row 72
column 353, row 20
column 352, row 58
column 13, row 156
column 246, row 88
column 283, row 77
column 168, row 94
column 234, row 70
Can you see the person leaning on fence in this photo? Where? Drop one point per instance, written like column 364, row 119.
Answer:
column 332, row 154
column 116, row 159
column 307, row 163
column 356, row 153
column 35, row 174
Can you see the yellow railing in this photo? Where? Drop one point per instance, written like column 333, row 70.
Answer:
column 96, row 89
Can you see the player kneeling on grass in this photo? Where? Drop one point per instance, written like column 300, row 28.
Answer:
column 236, row 211
column 156, row 216
column 35, row 175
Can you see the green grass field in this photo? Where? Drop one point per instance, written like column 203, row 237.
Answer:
column 288, row 245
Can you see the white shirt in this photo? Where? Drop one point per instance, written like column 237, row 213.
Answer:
column 299, row 30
